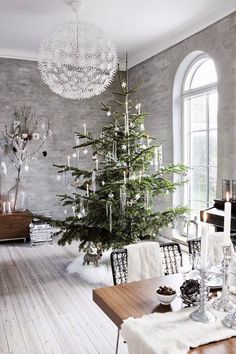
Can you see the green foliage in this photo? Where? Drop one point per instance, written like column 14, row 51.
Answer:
column 119, row 209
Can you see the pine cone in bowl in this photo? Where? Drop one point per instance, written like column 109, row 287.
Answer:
column 190, row 292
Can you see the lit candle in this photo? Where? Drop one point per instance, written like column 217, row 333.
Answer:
column 204, row 243
column 148, row 141
column 73, row 210
column 85, row 130
column 9, row 207
column 139, row 108
column 227, row 221
column 87, row 190
column 68, row 161
column 4, row 207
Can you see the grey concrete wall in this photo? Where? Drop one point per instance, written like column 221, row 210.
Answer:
column 20, row 84
column 156, row 94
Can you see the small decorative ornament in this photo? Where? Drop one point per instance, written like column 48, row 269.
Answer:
column 124, row 147
column 94, row 157
column 103, row 183
column 58, row 177
column 65, row 211
column 143, row 146
column 24, row 136
column 137, row 196
column 36, row 136
column 117, row 129
column 74, row 155
column 44, row 153
column 123, row 85
column 111, row 195
column 109, row 113
column 85, row 151
column 142, row 127
column 26, row 168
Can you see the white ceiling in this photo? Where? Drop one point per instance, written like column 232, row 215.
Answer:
column 141, row 27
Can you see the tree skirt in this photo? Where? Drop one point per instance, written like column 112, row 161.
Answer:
column 101, row 275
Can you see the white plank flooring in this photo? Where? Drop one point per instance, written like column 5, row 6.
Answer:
column 45, row 310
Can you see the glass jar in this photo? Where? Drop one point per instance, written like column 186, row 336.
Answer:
column 17, row 196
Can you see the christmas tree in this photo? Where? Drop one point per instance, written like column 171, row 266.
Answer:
column 113, row 204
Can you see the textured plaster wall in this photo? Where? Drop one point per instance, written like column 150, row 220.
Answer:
column 20, row 83
column 158, row 75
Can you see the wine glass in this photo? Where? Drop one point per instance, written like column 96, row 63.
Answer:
column 230, row 320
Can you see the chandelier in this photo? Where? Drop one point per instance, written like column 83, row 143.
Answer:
column 77, row 60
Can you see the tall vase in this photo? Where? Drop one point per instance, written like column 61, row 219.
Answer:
column 17, row 196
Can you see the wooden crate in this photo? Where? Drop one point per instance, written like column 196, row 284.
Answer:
column 15, row 226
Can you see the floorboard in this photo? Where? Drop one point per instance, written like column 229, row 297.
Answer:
column 45, row 310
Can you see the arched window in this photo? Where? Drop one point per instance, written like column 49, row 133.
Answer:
column 200, row 103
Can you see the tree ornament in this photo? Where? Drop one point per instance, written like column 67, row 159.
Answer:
column 85, row 151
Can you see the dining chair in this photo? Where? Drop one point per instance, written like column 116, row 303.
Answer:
column 171, row 258
column 194, row 248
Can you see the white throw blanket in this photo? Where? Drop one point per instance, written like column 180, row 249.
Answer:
column 172, row 332
column 144, row 261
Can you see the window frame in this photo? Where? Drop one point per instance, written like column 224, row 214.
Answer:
column 186, row 95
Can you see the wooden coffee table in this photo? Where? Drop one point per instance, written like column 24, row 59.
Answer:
column 138, row 298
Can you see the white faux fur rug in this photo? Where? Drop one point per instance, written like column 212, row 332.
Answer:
column 101, row 275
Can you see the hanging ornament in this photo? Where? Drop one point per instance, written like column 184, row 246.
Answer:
column 110, row 217
column 85, row 151
column 94, row 157
column 58, row 177
column 123, row 198
column 4, row 167
column 143, row 146
column 65, row 211
column 26, row 168
column 108, row 113
column 138, row 107
column 73, row 210
column 74, row 155
column 94, row 181
column 111, row 195
column 103, row 183
column 114, row 150
column 123, row 85
column 147, row 198
column 142, row 127
column 124, row 147
column 137, row 196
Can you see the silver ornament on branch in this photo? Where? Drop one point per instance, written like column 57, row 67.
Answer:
column 77, row 60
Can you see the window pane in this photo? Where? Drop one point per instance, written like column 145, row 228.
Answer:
column 213, row 108
column 213, row 148
column 196, row 207
column 205, row 74
column 198, row 113
column 199, row 183
column 198, row 149
column 212, row 184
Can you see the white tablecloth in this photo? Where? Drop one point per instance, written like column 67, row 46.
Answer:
column 172, row 332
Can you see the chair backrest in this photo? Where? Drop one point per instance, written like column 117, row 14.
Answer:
column 171, row 258
column 194, row 247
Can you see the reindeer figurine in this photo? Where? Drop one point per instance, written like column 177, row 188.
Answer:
column 89, row 257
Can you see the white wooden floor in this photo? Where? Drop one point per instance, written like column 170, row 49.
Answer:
column 45, row 310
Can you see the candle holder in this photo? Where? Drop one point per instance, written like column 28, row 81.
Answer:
column 224, row 303
column 230, row 320
column 202, row 314
column 225, row 188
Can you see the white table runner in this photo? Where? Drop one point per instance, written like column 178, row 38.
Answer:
column 172, row 332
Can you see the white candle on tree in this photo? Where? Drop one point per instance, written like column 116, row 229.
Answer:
column 124, row 177
column 96, row 163
column 68, row 161
column 204, row 243
column 85, row 130
column 227, row 221
column 87, row 190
